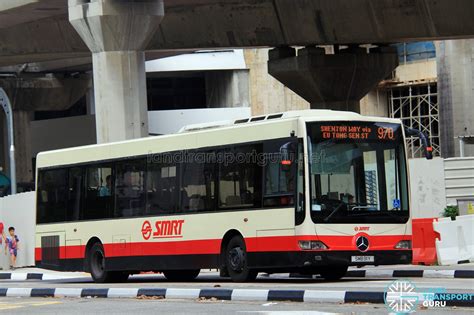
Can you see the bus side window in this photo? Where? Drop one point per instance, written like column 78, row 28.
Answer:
column 98, row 201
column 197, row 184
column 279, row 188
column 52, row 196
column 130, row 188
column 239, row 178
column 75, row 192
column 162, row 193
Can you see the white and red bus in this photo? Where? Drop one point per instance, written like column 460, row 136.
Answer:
column 309, row 191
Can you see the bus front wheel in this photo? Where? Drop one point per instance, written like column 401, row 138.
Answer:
column 97, row 267
column 332, row 273
column 237, row 262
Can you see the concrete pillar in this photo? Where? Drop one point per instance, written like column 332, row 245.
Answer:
column 227, row 88
column 332, row 81
column 117, row 32
column 455, row 60
column 22, row 134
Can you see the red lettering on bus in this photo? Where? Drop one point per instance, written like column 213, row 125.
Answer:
column 163, row 229
column 361, row 228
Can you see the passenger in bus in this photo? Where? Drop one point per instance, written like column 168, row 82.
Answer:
column 106, row 190
column 350, row 199
column 350, row 202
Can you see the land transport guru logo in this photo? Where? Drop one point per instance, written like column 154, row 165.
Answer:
column 401, row 297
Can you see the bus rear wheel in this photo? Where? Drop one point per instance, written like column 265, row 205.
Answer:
column 181, row 275
column 237, row 262
column 333, row 273
column 97, row 267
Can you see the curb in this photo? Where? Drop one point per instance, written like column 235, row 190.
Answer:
column 408, row 273
column 220, row 294
column 21, row 276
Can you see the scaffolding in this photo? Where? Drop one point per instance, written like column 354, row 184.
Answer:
column 417, row 106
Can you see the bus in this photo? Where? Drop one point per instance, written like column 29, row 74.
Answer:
column 312, row 191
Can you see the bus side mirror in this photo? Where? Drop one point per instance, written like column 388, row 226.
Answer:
column 425, row 141
column 287, row 155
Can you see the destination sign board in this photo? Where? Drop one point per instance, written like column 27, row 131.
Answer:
column 357, row 131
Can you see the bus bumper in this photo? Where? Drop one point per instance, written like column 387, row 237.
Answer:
column 312, row 259
column 355, row 258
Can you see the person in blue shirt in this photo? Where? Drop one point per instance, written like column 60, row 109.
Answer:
column 106, row 190
column 12, row 243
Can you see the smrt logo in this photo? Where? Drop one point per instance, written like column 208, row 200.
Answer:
column 361, row 228
column 146, row 230
column 163, row 229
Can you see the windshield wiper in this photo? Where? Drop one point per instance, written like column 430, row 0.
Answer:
column 326, row 219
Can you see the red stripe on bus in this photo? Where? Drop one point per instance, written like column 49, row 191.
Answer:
column 253, row 244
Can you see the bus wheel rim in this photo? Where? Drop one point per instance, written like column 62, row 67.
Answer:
column 236, row 259
column 99, row 263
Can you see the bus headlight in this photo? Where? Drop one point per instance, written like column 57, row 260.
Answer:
column 312, row 245
column 403, row 245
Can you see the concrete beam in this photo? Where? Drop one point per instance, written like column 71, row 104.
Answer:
column 15, row 12
column 198, row 24
column 275, row 23
column 332, row 81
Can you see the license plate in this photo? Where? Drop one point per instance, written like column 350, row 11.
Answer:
column 362, row 259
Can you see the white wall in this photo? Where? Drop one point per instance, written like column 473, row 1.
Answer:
column 459, row 176
column 427, row 187
column 199, row 61
column 19, row 211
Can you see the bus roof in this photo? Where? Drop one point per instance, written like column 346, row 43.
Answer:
column 260, row 127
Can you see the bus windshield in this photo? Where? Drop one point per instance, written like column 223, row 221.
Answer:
column 357, row 172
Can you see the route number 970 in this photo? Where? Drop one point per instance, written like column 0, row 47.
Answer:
column 385, row 133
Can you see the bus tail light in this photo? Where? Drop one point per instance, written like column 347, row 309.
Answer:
column 312, row 245
column 403, row 245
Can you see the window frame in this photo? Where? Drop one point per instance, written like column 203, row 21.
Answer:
column 293, row 170
column 143, row 163
column 148, row 180
column 258, row 202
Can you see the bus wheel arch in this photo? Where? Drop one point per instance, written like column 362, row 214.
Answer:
column 92, row 241
column 96, row 264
